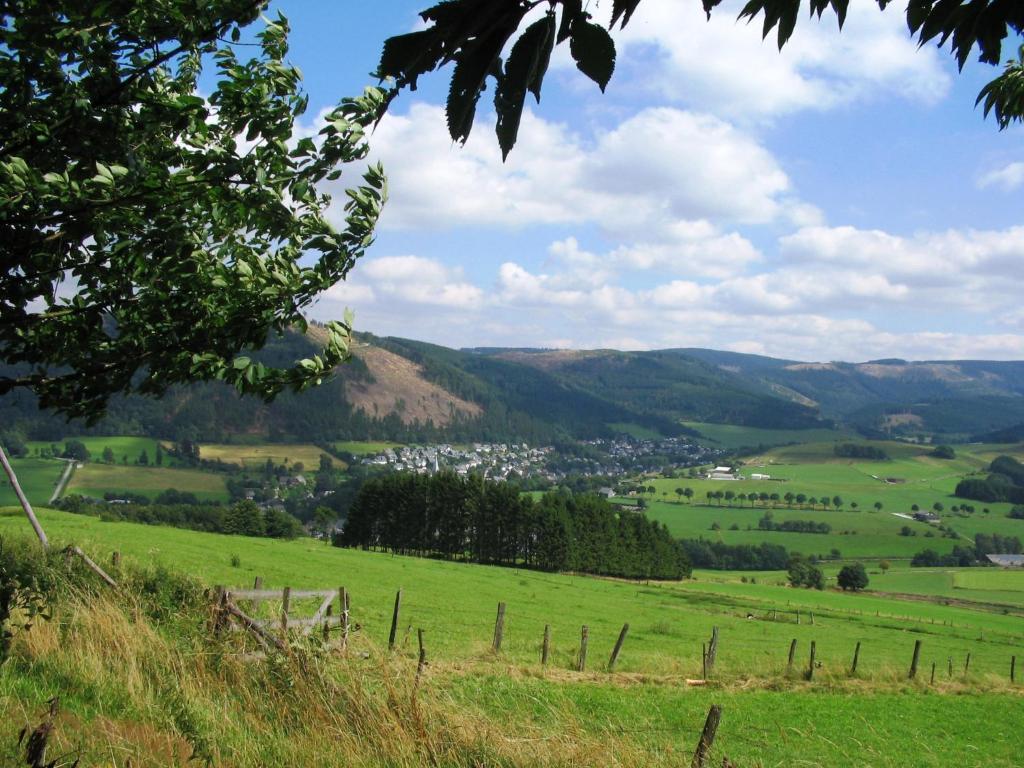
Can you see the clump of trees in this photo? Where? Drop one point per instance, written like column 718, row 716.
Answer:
column 719, row 556
column 457, row 518
column 766, row 523
column 852, row 577
column 967, row 555
column 855, row 451
column 182, row 510
column 943, row 452
column 1005, row 482
column 804, row 573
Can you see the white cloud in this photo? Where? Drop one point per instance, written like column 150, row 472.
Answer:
column 406, row 280
column 1008, row 178
column 724, row 65
column 658, row 171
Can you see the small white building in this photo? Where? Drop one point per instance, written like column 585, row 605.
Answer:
column 760, row 476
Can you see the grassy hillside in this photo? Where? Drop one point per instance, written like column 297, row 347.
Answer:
column 170, row 688
column 38, row 479
column 97, row 479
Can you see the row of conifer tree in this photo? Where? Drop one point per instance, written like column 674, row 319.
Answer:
column 451, row 517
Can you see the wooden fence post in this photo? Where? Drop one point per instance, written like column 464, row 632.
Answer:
column 856, row 657
column 933, row 673
column 618, row 647
column 798, row 617
column 343, row 607
column 914, row 660
column 286, row 599
column 1013, row 669
column 810, row 664
column 707, row 737
column 327, row 624
column 967, row 664
column 394, row 621
column 712, row 650
column 421, row 665
column 812, row 618
column 115, row 559
column 792, row 653
column 257, row 583
column 219, row 597
column 499, row 629
column 581, row 663
column 546, row 647
column 950, row 666
column 703, row 661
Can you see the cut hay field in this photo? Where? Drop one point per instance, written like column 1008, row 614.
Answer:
column 255, row 456
column 364, row 447
column 98, row 479
column 643, row 713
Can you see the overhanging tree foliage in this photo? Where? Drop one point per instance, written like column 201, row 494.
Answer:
column 471, row 34
column 150, row 235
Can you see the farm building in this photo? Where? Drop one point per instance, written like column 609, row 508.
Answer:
column 926, row 517
column 760, row 476
column 722, row 473
column 1007, row 561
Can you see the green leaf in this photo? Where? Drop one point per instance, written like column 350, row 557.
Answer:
column 240, row 363
column 622, row 9
column 571, row 11
column 524, row 71
column 594, row 52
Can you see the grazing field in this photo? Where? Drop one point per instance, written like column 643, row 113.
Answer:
column 364, row 448
column 910, row 477
column 731, row 436
column 98, row 479
column 37, row 477
column 643, row 713
column 255, row 456
column 125, row 449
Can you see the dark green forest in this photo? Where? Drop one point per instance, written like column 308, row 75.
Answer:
column 454, row 518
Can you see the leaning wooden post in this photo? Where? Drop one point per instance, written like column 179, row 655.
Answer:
column 792, row 654
column 707, row 737
column 703, row 661
column 967, row 664
column 856, row 657
column 23, row 500
column 286, row 599
column 712, row 650
column 949, row 661
column 545, row 649
column 394, row 621
column 914, row 660
column 219, row 601
column 1013, row 669
column 933, row 673
column 581, row 663
column 115, row 559
column 810, row 664
column 499, row 628
column 618, row 647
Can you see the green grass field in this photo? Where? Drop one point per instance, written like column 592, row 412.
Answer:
column 37, row 477
column 97, row 479
column 731, row 436
column 877, row 718
column 123, row 447
column 256, row 455
column 364, row 447
column 911, row 477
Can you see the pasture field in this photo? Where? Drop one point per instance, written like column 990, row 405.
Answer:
column 732, row 436
column 255, row 456
column 96, row 479
column 911, row 477
column 364, row 447
column 643, row 713
column 37, row 477
column 124, row 447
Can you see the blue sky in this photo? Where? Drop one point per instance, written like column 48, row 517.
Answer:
column 840, row 200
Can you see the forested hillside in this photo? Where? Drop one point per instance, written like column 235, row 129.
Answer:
column 412, row 391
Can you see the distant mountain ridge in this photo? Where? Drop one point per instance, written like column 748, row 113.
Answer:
column 407, row 390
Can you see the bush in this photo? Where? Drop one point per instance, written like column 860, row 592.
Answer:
column 803, row 573
column 853, row 577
